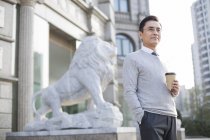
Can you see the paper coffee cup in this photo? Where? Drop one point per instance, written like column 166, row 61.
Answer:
column 170, row 77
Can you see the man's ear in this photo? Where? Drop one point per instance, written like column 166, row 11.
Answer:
column 140, row 35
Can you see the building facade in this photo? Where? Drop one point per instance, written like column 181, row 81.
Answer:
column 201, row 50
column 38, row 39
column 128, row 14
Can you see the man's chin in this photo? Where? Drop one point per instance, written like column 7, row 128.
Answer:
column 155, row 43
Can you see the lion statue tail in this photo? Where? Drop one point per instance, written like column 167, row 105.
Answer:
column 33, row 103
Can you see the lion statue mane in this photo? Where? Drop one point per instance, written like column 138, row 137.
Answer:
column 89, row 73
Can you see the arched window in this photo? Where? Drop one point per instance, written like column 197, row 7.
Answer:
column 124, row 45
column 121, row 5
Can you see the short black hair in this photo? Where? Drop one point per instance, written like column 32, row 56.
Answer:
column 146, row 19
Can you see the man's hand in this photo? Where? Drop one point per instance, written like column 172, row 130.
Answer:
column 175, row 88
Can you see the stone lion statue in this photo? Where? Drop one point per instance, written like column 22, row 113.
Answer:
column 89, row 73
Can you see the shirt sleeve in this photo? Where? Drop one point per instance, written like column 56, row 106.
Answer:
column 130, row 84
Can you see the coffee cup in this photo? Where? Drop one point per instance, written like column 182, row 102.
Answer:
column 170, row 77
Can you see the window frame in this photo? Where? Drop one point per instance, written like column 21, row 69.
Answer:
column 122, row 46
column 119, row 6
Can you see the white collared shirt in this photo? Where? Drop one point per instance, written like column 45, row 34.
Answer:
column 147, row 50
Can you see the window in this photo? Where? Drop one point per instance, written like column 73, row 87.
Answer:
column 121, row 5
column 124, row 45
column 41, row 53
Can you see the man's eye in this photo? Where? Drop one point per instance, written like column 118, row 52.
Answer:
column 158, row 30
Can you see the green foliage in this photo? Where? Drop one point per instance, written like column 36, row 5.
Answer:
column 198, row 124
column 190, row 127
column 196, row 127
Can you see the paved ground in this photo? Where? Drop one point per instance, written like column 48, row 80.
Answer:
column 197, row 139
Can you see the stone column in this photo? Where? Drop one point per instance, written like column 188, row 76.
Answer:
column 25, row 65
column 107, row 7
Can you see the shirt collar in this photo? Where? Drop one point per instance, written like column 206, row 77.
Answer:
column 147, row 50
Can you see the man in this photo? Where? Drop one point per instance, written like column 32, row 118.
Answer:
column 145, row 86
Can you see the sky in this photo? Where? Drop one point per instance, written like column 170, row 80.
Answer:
column 177, row 37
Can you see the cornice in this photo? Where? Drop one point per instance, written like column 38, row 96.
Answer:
column 28, row 2
column 11, row 1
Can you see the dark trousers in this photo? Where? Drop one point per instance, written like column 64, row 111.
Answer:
column 157, row 127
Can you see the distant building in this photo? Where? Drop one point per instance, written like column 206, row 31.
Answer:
column 183, row 102
column 201, row 50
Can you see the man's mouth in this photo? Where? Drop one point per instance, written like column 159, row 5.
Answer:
column 155, row 38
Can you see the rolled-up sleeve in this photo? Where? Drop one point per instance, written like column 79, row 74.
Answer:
column 130, row 84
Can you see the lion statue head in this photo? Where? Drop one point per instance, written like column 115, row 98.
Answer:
column 95, row 53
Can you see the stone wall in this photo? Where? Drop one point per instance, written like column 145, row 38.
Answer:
column 7, row 64
column 73, row 18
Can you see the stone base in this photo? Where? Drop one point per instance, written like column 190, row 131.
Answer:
column 120, row 133
column 181, row 134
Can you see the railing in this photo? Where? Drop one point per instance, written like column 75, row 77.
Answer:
column 119, row 16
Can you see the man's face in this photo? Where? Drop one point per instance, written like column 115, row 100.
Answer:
column 151, row 34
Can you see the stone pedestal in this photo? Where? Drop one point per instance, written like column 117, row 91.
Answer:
column 181, row 134
column 121, row 133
